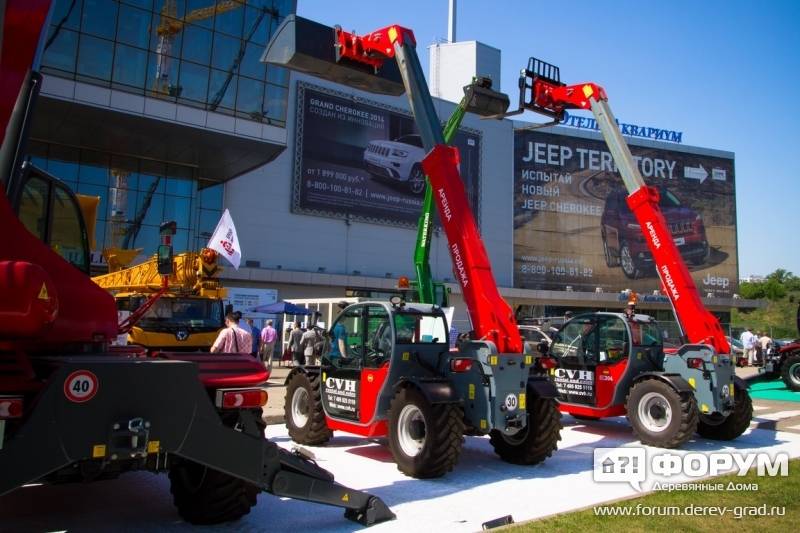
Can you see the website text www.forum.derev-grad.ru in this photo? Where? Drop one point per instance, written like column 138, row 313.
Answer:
column 739, row 511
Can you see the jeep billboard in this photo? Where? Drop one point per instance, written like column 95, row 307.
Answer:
column 573, row 227
column 363, row 159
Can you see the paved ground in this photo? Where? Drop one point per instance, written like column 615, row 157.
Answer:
column 480, row 488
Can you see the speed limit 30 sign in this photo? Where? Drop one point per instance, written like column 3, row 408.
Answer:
column 80, row 386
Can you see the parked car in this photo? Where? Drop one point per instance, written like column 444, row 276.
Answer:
column 624, row 244
column 533, row 335
column 737, row 349
column 398, row 161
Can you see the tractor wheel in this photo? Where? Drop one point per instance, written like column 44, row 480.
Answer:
column 305, row 418
column 537, row 441
column 205, row 496
column 628, row 263
column 790, row 372
column 660, row 416
column 718, row 427
column 425, row 440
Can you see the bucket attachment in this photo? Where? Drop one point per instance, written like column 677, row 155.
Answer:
column 311, row 48
column 483, row 101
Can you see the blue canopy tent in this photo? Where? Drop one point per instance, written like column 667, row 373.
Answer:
column 280, row 308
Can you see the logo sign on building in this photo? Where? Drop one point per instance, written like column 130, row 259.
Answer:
column 363, row 159
column 573, row 226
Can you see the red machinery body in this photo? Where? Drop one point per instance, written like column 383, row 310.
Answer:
column 36, row 316
column 491, row 316
column 699, row 325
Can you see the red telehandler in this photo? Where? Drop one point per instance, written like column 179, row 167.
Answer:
column 613, row 364
column 390, row 371
column 74, row 409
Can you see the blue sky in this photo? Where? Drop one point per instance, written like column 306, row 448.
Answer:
column 721, row 72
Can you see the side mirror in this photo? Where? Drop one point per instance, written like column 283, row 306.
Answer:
column 164, row 260
column 543, row 348
column 228, row 308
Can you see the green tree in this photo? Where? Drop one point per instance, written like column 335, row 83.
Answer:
column 774, row 290
column 751, row 291
column 782, row 276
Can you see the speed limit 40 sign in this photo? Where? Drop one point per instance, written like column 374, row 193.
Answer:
column 81, row 386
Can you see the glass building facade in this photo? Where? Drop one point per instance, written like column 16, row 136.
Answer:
column 202, row 54
column 199, row 53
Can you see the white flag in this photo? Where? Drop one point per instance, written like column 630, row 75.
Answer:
column 225, row 241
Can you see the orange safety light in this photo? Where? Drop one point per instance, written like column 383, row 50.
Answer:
column 209, row 256
column 244, row 399
column 403, row 283
column 633, row 299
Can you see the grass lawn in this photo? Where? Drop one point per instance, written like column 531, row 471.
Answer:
column 782, row 493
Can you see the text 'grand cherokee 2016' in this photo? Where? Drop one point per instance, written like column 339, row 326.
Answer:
column 624, row 244
column 398, row 161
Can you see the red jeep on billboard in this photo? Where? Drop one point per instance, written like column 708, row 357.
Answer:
column 624, row 243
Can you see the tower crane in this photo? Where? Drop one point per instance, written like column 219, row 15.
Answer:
column 171, row 26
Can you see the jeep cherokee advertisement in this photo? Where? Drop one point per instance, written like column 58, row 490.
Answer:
column 573, row 227
column 361, row 158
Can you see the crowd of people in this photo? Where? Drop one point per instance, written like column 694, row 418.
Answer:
column 755, row 346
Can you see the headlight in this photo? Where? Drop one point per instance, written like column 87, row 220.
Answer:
column 399, row 153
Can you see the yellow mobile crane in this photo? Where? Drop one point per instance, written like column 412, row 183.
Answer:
column 190, row 313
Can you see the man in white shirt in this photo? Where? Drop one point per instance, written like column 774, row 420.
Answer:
column 749, row 342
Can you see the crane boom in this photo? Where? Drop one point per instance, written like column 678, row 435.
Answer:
column 193, row 272
column 543, row 92
column 491, row 316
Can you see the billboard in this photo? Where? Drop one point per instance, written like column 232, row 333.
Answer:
column 573, row 227
column 243, row 298
column 361, row 159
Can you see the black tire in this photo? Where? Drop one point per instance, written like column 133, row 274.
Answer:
column 790, row 372
column 205, row 496
column 425, row 440
column 628, row 263
column 660, row 416
column 611, row 261
column 537, row 441
column 416, row 179
column 302, row 410
column 718, row 427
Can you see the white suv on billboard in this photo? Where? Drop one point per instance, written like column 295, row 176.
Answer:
column 399, row 160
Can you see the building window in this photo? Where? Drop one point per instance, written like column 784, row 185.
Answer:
column 63, row 55
column 99, row 18
column 122, row 44
column 95, row 57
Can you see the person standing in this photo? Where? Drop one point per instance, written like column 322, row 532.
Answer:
column 269, row 337
column 309, row 342
column 256, row 334
column 339, row 341
column 232, row 339
column 748, row 340
column 765, row 341
column 296, row 345
column 757, row 347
